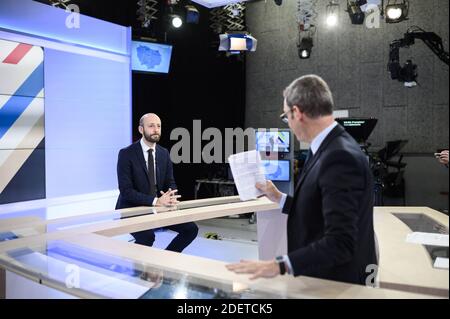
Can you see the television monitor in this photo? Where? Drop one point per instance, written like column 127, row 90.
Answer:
column 276, row 141
column 277, row 171
column 150, row 57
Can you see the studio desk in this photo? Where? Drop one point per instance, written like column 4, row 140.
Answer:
column 79, row 256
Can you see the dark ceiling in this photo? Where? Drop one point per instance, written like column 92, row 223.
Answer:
column 121, row 12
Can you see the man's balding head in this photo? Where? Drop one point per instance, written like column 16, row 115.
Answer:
column 149, row 118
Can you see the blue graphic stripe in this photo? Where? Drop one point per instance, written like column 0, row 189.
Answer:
column 21, row 99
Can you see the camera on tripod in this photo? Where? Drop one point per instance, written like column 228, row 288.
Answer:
column 391, row 173
column 388, row 174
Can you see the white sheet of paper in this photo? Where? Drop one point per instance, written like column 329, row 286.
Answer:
column 430, row 239
column 441, row 263
column 247, row 171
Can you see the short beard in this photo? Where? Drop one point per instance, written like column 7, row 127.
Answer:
column 152, row 138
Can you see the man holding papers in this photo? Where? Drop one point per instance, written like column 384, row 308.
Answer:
column 330, row 217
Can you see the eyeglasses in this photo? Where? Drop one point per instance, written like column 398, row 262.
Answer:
column 284, row 117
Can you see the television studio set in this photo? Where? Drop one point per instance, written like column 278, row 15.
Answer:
column 222, row 149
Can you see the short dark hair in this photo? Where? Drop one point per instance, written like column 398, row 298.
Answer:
column 311, row 94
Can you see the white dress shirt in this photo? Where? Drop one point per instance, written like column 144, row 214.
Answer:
column 145, row 149
column 318, row 140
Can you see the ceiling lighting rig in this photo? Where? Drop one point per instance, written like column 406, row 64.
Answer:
column 228, row 18
column 146, row 12
column 61, row 3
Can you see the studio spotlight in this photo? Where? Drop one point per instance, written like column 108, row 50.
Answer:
column 305, row 48
column 332, row 12
column 176, row 21
column 355, row 12
column 397, row 11
column 236, row 42
column 278, row 2
column 332, row 20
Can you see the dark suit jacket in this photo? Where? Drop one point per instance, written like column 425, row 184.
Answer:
column 132, row 175
column 330, row 217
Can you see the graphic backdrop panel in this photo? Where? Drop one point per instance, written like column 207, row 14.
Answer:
column 22, row 133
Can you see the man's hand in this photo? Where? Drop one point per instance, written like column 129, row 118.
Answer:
column 154, row 276
column 443, row 157
column 168, row 198
column 270, row 190
column 265, row 269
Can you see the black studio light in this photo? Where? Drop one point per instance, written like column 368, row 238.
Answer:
column 305, row 48
column 357, row 16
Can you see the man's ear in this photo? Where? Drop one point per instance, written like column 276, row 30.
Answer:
column 296, row 113
column 141, row 129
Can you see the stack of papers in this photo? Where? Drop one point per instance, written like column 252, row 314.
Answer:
column 441, row 263
column 430, row 239
column 247, row 171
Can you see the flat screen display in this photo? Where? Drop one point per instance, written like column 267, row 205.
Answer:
column 278, row 141
column 150, row 57
column 277, row 171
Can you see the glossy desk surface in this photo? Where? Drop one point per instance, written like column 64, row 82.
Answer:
column 48, row 251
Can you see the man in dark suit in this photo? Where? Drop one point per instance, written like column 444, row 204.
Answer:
column 330, row 217
column 144, row 169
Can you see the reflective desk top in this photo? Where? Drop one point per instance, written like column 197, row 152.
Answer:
column 408, row 266
column 12, row 228
column 93, row 273
column 94, row 266
column 76, row 255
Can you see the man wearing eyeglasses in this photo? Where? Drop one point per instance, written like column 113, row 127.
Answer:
column 330, row 217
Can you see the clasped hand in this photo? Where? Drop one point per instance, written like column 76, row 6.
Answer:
column 168, row 198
